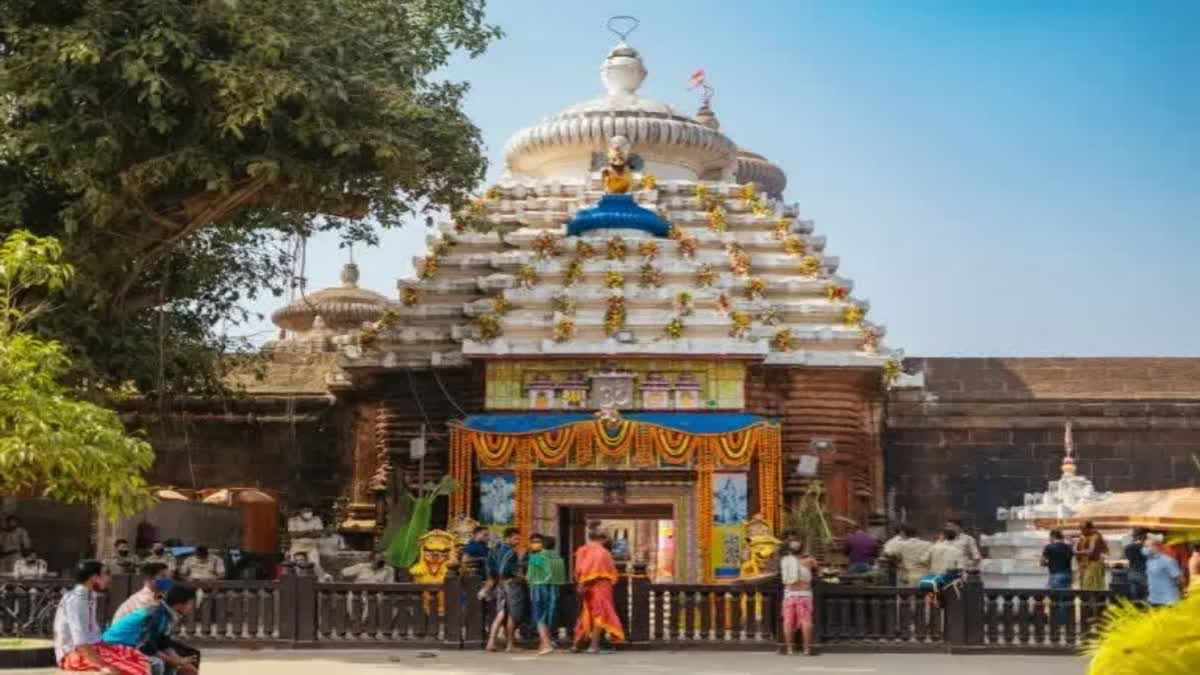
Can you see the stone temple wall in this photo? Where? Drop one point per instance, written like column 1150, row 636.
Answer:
column 985, row 431
column 289, row 446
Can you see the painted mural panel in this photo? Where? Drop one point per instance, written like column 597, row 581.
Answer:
column 497, row 499
column 562, row 385
column 731, row 506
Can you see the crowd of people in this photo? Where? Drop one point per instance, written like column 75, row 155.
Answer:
column 522, row 589
column 1157, row 574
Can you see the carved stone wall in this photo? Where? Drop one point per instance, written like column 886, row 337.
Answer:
column 840, row 405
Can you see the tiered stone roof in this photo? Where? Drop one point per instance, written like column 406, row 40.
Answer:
column 523, row 288
column 741, row 276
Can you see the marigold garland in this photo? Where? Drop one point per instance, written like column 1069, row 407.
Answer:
column 700, row 192
column 574, row 272
column 650, row 276
column 781, row 228
column 648, row 249
column 564, row 330
column 687, row 247
column 563, row 303
column 614, row 315
column 429, row 267
column 649, row 181
column 723, row 303
column 704, row 513
column 756, row 288
column 739, row 260
column 523, row 508
column 891, row 371
column 410, row 297
column 782, row 341
column 546, row 245
column 493, row 193
column 643, row 445
column 674, row 233
column 716, row 219
column 748, row 191
column 443, row 246
column 674, row 328
column 584, row 250
column 489, row 327
column 527, row 276
column 615, row 249
column 793, row 245
column 760, row 207
column 501, row 305
column 683, row 303
column 852, row 315
column 836, row 293
column 706, row 276
column 614, row 279
column 741, row 325
column 810, row 266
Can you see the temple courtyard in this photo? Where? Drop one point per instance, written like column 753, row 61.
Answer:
column 364, row 662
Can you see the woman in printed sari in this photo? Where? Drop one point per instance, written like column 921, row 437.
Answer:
column 595, row 574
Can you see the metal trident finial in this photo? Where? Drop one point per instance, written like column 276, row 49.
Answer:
column 615, row 22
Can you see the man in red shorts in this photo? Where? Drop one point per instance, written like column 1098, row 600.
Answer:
column 796, row 572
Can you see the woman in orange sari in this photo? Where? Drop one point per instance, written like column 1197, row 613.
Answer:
column 595, row 574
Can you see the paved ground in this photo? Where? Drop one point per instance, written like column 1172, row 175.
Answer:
column 381, row 662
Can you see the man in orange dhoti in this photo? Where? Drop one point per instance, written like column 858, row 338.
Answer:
column 595, row 574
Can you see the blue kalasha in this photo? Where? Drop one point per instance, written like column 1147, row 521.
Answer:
column 692, row 423
column 618, row 212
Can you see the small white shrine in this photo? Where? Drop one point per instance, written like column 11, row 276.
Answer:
column 1014, row 555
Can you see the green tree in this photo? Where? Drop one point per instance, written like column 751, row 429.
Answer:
column 64, row 449
column 171, row 145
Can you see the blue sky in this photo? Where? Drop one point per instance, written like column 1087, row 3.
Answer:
column 998, row 178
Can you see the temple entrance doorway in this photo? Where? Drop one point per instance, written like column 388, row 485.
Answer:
column 638, row 533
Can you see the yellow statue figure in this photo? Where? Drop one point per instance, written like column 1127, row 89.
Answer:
column 437, row 553
column 618, row 179
column 760, row 559
column 762, row 548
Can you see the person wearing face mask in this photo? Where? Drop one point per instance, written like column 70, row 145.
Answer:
column 30, row 566
column 160, row 554
column 377, row 571
column 123, row 562
column 796, row 573
column 305, row 530
column 202, row 566
column 155, row 582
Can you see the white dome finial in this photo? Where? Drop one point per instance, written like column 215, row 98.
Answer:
column 623, row 71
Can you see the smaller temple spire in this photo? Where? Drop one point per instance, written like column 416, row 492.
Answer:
column 349, row 275
column 1068, row 463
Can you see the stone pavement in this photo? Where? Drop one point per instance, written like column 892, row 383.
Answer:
column 376, row 662
column 407, row 662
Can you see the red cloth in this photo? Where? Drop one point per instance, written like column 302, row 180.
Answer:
column 595, row 572
column 126, row 660
column 797, row 611
column 596, row 608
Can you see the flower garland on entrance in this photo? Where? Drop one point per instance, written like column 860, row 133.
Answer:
column 579, row 444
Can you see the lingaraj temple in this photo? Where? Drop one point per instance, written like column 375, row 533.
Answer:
column 633, row 326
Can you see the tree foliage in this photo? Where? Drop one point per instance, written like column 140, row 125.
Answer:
column 172, row 144
column 64, row 449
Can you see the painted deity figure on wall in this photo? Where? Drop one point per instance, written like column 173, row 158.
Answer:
column 617, row 176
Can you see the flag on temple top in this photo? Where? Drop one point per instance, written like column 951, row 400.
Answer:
column 697, row 79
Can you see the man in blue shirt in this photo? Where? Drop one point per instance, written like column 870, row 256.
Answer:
column 149, row 630
column 1162, row 575
column 506, row 571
